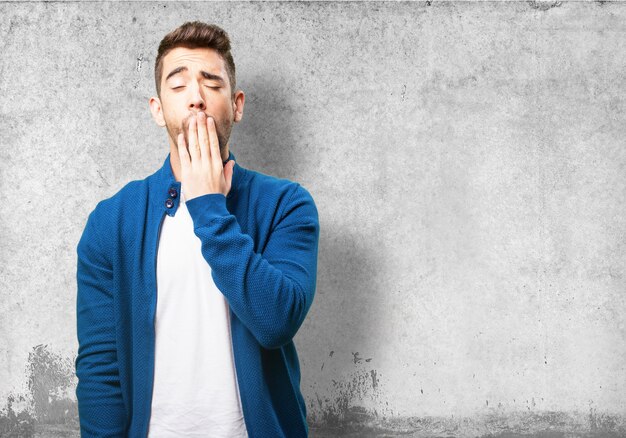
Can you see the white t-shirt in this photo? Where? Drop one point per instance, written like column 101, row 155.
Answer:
column 196, row 393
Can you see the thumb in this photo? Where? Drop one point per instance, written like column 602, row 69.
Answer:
column 228, row 171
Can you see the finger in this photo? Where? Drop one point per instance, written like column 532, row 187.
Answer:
column 182, row 150
column 228, row 175
column 216, row 157
column 194, row 153
column 203, row 138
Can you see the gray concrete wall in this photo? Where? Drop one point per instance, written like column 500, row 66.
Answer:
column 468, row 163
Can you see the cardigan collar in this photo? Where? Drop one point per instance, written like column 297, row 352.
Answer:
column 165, row 190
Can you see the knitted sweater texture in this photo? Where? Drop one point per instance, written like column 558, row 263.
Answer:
column 261, row 242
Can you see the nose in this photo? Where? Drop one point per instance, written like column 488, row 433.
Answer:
column 196, row 102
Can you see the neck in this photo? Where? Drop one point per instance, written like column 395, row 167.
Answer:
column 175, row 159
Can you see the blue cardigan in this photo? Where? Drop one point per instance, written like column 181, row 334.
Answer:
column 261, row 242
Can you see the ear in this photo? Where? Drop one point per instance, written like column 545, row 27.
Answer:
column 238, row 102
column 157, row 111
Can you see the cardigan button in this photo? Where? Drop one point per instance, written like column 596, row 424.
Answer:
column 173, row 192
column 169, row 203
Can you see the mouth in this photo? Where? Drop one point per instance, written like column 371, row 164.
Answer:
column 188, row 118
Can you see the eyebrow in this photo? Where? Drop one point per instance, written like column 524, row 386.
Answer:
column 205, row 74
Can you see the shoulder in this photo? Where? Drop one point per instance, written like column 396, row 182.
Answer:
column 104, row 218
column 131, row 193
column 283, row 195
column 272, row 186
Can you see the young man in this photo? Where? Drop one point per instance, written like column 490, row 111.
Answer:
column 193, row 281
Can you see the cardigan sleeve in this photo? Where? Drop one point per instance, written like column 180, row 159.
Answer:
column 270, row 292
column 100, row 404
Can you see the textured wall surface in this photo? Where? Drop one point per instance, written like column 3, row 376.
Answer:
column 468, row 162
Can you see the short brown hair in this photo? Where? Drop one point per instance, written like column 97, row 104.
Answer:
column 193, row 35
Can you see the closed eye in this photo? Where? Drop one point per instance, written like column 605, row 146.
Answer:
column 182, row 86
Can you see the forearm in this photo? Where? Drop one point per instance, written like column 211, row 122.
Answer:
column 100, row 406
column 272, row 292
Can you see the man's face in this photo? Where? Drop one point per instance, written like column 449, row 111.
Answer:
column 195, row 80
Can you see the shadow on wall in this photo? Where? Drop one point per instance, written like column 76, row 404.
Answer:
column 349, row 265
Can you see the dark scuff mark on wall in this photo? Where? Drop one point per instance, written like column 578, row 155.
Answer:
column 138, row 66
column 544, row 5
column 356, row 359
column 374, row 379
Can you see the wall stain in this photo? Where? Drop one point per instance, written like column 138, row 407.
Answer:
column 51, row 382
column 343, row 406
column 48, row 408
column 341, row 413
column 14, row 423
column 361, row 423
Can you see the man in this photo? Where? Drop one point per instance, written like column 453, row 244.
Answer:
column 193, row 281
